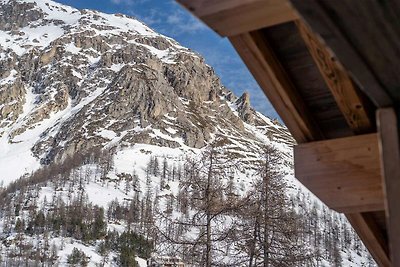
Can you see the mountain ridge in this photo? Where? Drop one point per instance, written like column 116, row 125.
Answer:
column 93, row 106
column 90, row 57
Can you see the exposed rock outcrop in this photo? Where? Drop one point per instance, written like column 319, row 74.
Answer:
column 75, row 80
column 244, row 109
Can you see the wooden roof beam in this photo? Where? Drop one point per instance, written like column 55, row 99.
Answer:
column 372, row 236
column 347, row 97
column 389, row 145
column 321, row 21
column 344, row 173
column 254, row 50
column 232, row 17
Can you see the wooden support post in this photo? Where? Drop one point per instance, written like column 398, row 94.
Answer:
column 344, row 173
column 389, row 146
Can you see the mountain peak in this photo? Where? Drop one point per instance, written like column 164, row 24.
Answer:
column 76, row 80
column 244, row 109
column 27, row 24
column 17, row 14
column 244, row 99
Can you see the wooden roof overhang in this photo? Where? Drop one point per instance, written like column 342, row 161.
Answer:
column 331, row 69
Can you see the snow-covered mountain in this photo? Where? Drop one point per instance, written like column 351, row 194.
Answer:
column 100, row 96
column 73, row 80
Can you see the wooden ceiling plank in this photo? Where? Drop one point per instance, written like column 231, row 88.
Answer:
column 388, row 132
column 372, row 236
column 320, row 22
column 338, row 81
column 374, row 32
column 344, row 173
column 272, row 78
column 232, row 17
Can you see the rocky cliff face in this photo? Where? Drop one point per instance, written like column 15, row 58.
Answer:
column 72, row 80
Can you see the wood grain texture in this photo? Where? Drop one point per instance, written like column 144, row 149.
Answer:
column 293, row 55
column 338, row 25
column 267, row 70
column 372, row 236
column 344, row 173
column 232, row 17
column 374, row 32
column 389, row 146
column 341, row 86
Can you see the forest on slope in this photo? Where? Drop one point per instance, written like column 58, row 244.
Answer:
column 196, row 212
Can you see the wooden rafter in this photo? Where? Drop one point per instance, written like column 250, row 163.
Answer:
column 270, row 75
column 320, row 20
column 388, row 132
column 344, row 173
column 232, row 17
column 349, row 101
column 372, row 236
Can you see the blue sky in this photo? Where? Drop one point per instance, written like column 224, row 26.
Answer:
column 169, row 18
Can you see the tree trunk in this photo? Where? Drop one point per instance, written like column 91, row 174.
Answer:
column 265, row 247
column 266, row 212
column 208, row 212
column 253, row 244
column 208, row 244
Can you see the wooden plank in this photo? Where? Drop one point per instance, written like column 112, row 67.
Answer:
column 274, row 81
column 372, row 236
column 374, row 32
column 344, row 173
column 292, row 52
column 389, row 146
column 232, row 17
column 338, row 81
column 326, row 24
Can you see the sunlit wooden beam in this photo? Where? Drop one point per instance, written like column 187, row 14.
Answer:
column 344, row 173
column 232, row 17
